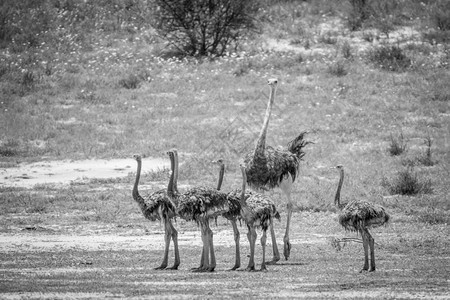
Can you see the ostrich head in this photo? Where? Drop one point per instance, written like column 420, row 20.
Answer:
column 272, row 82
column 218, row 162
column 137, row 157
column 339, row 167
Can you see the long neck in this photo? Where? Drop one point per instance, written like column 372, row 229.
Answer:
column 175, row 178
column 244, row 183
column 172, row 175
column 136, row 182
column 337, row 198
column 261, row 143
column 221, row 173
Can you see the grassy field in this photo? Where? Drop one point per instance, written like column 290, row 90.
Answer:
column 377, row 102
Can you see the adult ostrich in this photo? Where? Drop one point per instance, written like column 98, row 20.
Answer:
column 360, row 216
column 160, row 205
column 268, row 168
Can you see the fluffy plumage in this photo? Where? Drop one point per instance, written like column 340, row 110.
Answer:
column 358, row 215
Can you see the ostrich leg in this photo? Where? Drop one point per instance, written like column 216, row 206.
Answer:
column 263, row 244
column 372, row 252
column 167, row 237
column 251, row 235
column 212, row 264
column 174, row 234
column 366, row 242
column 286, row 187
column 276, row 253
column 237, row 262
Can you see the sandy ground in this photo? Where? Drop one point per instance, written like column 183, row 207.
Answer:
column 65, row 171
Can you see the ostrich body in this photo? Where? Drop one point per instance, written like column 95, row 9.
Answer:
column 200, row 204
column 257, row 210
column 160, row 206
column 360, row 216
column 268, row 168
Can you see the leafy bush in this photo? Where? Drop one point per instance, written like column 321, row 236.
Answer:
column 407, row 183
column 359, row 12
column 337, row 68
column 440, row 15
column 397, row 145
column 201, row 27
column 389, row 58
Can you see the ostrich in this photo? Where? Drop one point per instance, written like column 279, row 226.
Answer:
column 200, row 204
column 160, row 206
column 268, row 168
column 359, row 216
column 232, row 213
column 257, row 210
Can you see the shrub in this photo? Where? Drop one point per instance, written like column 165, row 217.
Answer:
column 346, row 50
column 337, row 68
column 130, row 82
column 397, row 145
column 407, row 183
column 440, row 15
column 389, row 58
column 426, row 159
column 201, row 27
column 359, row 12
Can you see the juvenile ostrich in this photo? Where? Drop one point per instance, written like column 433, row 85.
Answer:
column 268, row 168
column 257, row 210
column 232, row 214
column 359, row 216
column 160, row 206
column 200, row 204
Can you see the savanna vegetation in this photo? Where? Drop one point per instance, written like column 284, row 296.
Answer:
column 106, row 79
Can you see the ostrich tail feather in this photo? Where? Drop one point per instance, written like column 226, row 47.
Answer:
column 296, row 145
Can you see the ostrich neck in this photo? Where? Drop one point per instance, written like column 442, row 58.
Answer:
column 170, row 189
column 136, row 182
column 337, row 198
column 244, row 183
column 261, row 144
column 221, row 173
column 175, row 177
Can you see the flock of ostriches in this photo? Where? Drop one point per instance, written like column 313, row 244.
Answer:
column 263, row 169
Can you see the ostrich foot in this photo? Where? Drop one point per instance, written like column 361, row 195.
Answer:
column 161, row 267
column 172, row 268
column 287, row 249
column 250, row 269
column 235, row 267
column 273, row 261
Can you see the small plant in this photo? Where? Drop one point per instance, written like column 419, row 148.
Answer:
column 407, row 183
column 397, row 145
column 359, row 13
column 426, row 159
column 346, row 50
column 389, row 58
column 337, row 68
column 130, row 82
column 440, row 15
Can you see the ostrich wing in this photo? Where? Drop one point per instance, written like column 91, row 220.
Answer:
column 269, row 169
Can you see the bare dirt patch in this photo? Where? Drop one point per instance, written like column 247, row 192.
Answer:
column 65, row 171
